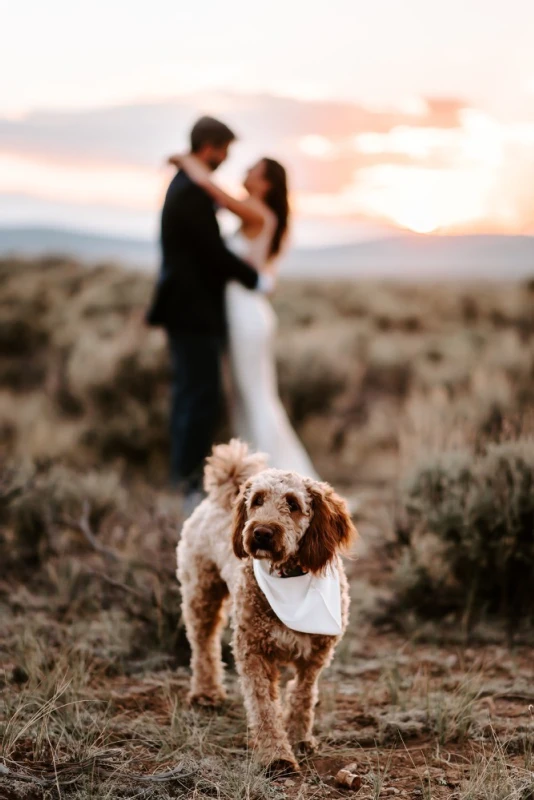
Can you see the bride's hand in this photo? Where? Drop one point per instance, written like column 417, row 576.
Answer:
column 266, row 283
column 175, row 160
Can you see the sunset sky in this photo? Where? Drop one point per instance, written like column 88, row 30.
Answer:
column 416, row 115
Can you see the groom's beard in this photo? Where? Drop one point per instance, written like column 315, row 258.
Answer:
column 214, row 163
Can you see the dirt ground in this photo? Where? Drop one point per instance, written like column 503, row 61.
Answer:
column 413, row 713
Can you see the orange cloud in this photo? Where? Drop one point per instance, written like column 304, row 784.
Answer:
column 428, row 165
column 477, row 175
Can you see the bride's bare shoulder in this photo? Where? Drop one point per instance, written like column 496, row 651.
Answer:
column 261, row 208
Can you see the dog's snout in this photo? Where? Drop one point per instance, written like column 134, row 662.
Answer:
column 263, row 536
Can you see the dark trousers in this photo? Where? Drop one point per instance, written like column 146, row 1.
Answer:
column 196, row 404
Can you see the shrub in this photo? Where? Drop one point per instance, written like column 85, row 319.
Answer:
column 36, row 500
column 84, row 381
column 314, row 368
column 466, row 525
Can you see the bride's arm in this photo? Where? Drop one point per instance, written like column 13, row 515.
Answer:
column 201, row 175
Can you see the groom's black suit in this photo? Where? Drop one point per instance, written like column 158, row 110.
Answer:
column 189, row 303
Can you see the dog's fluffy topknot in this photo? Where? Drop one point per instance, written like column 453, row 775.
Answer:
column 228, row 467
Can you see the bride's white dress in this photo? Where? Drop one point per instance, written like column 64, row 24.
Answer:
column 259, row 417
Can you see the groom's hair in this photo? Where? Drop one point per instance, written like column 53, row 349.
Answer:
column 210, row 131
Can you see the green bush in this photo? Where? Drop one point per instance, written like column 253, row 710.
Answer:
column 466, row 527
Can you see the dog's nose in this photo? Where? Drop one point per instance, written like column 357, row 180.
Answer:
column 263, row 537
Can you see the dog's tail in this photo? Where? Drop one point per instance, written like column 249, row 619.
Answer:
column 228, row 467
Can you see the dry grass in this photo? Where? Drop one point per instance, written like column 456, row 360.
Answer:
column 81, row 378
column 85, row 716
column 93, row 659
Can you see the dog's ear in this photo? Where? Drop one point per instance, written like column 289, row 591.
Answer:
column 330, row 530
column 239, row 520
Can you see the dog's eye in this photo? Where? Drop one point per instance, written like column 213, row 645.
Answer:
column 257, row 500
column 292, row 504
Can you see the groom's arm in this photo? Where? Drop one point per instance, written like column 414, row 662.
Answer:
column 204, row 231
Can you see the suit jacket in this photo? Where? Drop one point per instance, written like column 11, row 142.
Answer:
column 189, row 294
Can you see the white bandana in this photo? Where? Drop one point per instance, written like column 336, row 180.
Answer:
column 306, row 603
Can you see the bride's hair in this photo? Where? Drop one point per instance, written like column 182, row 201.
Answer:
column 277, row 200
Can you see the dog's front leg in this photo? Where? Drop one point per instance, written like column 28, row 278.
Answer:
column 302, row 694
column 259, row 683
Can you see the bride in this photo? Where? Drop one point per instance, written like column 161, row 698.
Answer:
column 258, row 415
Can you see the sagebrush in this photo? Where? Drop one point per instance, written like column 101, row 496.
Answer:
column 466, row 526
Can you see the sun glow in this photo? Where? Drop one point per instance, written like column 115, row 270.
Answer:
column 422, row 199
column 460, row 178
column 419, row 224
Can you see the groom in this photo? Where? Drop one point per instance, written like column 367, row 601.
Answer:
column 189, row 304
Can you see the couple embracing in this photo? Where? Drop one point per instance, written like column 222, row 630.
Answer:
column 212, row 297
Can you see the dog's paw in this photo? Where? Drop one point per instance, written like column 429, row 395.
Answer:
column 206, row 699
column 282, row 768
column 307, row 746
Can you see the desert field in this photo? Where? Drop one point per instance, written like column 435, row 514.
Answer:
column 415, row 401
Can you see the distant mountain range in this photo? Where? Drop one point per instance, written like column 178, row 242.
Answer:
column 139, row 253
column 402, row 257
column 408, row 257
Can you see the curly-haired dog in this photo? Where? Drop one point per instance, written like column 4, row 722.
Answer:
column 297, row 526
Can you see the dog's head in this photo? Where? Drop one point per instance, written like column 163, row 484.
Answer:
column 280, row 516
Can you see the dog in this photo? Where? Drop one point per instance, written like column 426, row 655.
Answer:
column 255, row 517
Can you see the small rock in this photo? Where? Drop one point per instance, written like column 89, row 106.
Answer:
column 390, row 791
column 289, row 782
column 348, row 778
